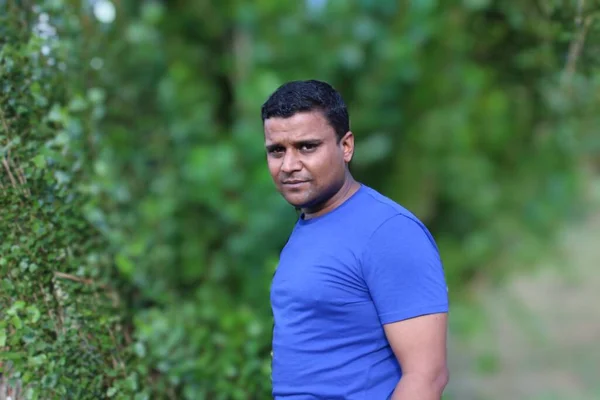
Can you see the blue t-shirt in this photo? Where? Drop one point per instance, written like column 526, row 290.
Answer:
column 341, row 277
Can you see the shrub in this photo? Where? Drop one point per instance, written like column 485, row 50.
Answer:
column 139, row 227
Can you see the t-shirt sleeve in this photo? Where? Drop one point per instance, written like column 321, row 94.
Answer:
column 403, row 271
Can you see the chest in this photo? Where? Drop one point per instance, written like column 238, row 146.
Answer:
column 318, row 275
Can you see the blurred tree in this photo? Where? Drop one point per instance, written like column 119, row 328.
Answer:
column 140, row 228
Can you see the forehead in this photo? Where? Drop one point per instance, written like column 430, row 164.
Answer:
column 300, row 126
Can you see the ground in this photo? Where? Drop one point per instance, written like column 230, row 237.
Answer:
column 541, row 338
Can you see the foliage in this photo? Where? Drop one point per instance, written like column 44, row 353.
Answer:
column 140, row 228
column 58, row 330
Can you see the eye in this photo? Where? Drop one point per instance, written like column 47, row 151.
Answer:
column 308, row 146
column 276, row 151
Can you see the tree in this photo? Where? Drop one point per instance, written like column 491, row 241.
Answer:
column 139, row 226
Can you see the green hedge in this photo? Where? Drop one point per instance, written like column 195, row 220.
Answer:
column 139, row 227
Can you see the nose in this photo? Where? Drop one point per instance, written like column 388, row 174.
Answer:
column 291, row 163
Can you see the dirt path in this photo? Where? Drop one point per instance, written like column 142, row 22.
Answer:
column 542, row 336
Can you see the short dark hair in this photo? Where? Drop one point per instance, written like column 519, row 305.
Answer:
column 310, row 95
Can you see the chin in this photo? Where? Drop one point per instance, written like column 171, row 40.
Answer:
column 297, row 203
column 298, row 200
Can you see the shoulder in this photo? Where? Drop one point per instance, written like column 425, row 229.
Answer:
column 388, row 216
column 381, row 206
column 401, row 266
column 387, row 224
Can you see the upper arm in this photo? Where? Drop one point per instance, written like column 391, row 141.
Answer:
column 404, row 274
column 419, row 344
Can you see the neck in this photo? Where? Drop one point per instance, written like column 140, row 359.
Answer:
column 349, row 187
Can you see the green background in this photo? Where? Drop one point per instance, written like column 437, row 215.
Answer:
column 139, row 227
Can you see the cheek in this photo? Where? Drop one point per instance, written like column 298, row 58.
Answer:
column 333, row 166
column 326, row 170
column 273, row 166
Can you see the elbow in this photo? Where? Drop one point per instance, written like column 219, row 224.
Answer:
column 438, row 379
column 433, row 382
column 441, row 380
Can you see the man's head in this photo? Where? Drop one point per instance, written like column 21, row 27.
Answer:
column 308, row 140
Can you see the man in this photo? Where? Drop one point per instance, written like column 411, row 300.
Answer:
column 359, row 297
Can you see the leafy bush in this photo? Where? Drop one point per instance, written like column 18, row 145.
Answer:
column 139, row 226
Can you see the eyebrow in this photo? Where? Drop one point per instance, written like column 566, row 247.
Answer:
column 299, row 143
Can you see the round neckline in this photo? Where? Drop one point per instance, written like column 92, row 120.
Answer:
column 302, row 221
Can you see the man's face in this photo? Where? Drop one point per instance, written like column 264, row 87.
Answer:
column 305, row 159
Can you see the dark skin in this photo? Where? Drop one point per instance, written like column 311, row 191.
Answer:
column 308, row 163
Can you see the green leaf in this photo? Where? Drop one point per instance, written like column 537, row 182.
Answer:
column 2, row 337
column 124, row 264
column 17, row 305
column 140, row 349
column 38, row 360
column 12, row 355
column 57, row 114
column 77, row 104
column 34, row 314
column 39, row 161
column 16, row 321
column 96, row 95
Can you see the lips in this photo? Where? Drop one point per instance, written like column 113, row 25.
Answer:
column 293, row 183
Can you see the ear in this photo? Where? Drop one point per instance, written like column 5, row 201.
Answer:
column 347, row 144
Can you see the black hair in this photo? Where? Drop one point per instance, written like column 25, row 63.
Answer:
column 310, row 95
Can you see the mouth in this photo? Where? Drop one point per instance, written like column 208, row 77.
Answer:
column 293, row 183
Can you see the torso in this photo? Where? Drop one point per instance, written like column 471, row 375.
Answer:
column 328, row 341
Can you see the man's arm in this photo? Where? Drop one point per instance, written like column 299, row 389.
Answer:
column 420, row 346
column 405, row 277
